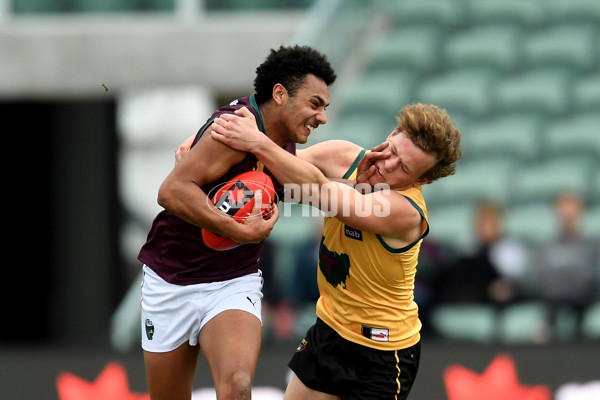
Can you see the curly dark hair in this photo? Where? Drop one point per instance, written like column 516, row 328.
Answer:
column 431, row 129
column 289, row 66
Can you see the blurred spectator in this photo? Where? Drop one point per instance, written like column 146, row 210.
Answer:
column 565, row 269
column 434, row 258
column 284, row 304
column 303, row 288
column 490, row 270
column 278, row 317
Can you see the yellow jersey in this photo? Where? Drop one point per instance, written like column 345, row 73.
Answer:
column 366, row 287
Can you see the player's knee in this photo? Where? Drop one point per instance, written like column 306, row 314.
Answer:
column 238, row 386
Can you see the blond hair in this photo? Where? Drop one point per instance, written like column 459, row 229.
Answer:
column 431, row 129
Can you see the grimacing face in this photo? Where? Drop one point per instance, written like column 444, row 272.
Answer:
column 305, row 111
column 406, row 164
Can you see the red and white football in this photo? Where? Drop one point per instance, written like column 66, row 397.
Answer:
column 235, row 199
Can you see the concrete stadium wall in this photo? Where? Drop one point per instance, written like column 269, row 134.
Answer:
column 67, row 56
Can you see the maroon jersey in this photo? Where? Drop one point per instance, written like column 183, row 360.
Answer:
column 175, row 249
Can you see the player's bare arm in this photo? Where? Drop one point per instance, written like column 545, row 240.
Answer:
column 385, row 212
column 181, row 192
column 334, row 157
column 243, row 134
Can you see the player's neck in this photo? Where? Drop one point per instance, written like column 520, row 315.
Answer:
column 273, row 127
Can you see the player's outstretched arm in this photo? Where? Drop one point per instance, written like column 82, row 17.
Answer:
column 243, row 134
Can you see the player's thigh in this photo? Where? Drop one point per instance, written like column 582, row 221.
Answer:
column 296, row 390
column 231, row 343
column 170, row 375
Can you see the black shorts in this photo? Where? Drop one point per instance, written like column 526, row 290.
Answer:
column 326, row 362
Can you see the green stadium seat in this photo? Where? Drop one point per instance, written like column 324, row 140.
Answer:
column 586, row 93
column 590, row 225
column 465, row 322
column 38, row 7
column 159, row 5
column 481, row 179
column 450, row 224
column 364, row 129
column 565, row 46
column 591, row 322
column 104, row 6
column 596, row 187
column 383, row 93
column 576, row 135
column 520, row 323
column 578, row 11
column 531, row 223
column 463, row 91
column 448, row 14
column 540, row 91
column 525, row 13
column 516, row 137
column 412, row 48
column 542, row 181
column 493, row 46
column 258, row 5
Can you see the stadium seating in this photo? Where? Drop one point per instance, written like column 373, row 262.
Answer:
column 465, row 322
column 529, row 14
column 515, row 137
column 451, row 224
column 540, row 182
column 520, row 323
column 446, row 14
column 572, row 47
column 573, row 11
column 544, row 91
column 381, row 94
column 482, row 179
column 586, row 92
column 591, row 322
column 531, row 223
column 463, row 91
column 493, row 46
column 363, row 128
column 414, row 48
column 576, row 135
column 590, row 224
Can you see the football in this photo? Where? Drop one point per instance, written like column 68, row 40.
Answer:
column 235, row 199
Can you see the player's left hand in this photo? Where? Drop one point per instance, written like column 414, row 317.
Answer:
column 240, row 133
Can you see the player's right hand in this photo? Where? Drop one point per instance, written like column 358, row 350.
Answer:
column 366, row 166
column 257, row 228
column 183, row 148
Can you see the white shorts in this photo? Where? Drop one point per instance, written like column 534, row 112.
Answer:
column 174, row 314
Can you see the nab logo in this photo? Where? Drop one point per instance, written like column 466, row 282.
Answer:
column 353, row 233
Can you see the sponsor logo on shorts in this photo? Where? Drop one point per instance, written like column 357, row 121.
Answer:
column 149, row 329
column 302, row 345
column 377, row 334
column 251, row 302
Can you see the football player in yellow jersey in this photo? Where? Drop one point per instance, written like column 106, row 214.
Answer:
column 366, row 342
